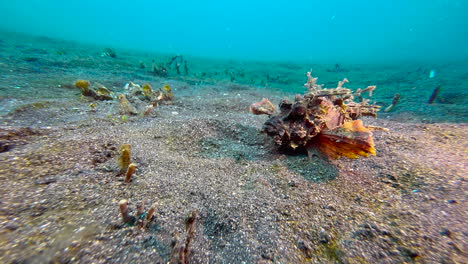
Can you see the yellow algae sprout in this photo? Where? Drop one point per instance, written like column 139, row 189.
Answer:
column 147, row 89
column 82, row 84
column 166, row 93
column 124, row 158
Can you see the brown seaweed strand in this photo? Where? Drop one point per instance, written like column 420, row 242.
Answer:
column 434, row 95
column 190, row 234
column 180, row 253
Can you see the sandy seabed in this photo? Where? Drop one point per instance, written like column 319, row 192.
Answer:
column 202, row 156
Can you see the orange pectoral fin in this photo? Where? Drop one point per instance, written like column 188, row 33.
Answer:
column 351, row 140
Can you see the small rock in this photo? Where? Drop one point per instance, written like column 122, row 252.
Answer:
column 36, row 214
column 292, row 184
column 268, row 254
column 445, row 232
column 102, row 237
column 361, row 234
column 386, row 233
column 455, row 246
column 75, row 244
column 391, row 177
column 11, row 226
column 4, row 147
column 305, row 249
column 324, row 237
column 408, row 252
column 45, row 181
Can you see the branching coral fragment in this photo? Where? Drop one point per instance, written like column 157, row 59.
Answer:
column 311, row 83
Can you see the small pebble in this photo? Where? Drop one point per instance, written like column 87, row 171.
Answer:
column 12, row 226
column 408, row 252
column 445, row 232
column 305, row 249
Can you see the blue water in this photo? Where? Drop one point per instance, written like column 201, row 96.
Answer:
column 321, row 31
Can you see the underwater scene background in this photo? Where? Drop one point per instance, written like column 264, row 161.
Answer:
column 197, row 132
column 305, row 31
